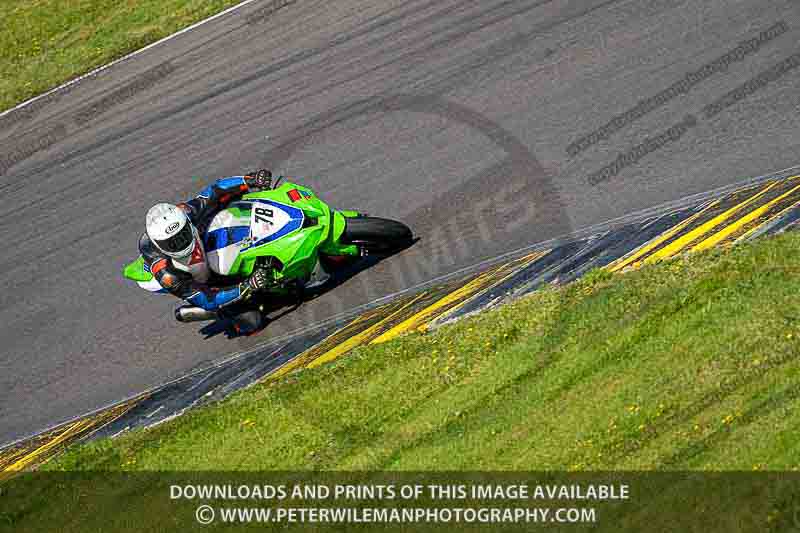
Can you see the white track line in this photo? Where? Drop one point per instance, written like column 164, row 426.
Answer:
column 127, row 57
column 201, row 381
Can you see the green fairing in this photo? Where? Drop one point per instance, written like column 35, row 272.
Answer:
column 297, row 251
column 136, row 271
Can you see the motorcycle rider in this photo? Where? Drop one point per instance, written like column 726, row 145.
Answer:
column 173, row 252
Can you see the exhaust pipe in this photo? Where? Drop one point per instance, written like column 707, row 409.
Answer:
column 190, row 313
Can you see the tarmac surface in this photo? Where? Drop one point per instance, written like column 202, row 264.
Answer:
column 460, row 118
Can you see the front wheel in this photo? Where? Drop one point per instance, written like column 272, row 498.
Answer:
column 377, row 234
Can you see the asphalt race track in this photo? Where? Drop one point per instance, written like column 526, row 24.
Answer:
column 455, row 117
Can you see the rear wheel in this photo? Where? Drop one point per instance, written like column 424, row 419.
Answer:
column 377, row 234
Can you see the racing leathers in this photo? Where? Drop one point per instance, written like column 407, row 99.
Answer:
column 190, row 278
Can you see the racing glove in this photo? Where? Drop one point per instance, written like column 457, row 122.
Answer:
column 259, row 179
column 260, row 280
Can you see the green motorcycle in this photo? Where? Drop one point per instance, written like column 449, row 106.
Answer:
column 289, row 230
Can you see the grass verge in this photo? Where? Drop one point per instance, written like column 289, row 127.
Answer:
column 684, row 365
column 47, row 42
column 691, row 364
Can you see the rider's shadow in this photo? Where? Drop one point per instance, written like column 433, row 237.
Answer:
column 277, row 307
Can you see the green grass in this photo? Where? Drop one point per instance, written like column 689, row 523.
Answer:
column 691, row 364
column 685, row 365
column 47, row 42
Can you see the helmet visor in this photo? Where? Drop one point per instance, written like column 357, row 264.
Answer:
column 178, row 242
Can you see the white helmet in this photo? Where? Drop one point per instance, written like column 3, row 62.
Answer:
column 170, row 230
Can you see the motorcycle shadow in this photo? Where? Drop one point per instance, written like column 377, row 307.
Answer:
column 276, row 307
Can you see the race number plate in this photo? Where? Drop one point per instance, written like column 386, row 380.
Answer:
column 270, row 221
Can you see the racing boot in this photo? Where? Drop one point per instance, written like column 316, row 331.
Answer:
column 318, row 278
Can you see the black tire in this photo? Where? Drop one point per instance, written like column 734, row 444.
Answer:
column 377, row 234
